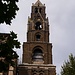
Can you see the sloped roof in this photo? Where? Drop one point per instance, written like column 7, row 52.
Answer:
column 38, row 3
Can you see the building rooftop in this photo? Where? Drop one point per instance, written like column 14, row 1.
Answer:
column 38, row 3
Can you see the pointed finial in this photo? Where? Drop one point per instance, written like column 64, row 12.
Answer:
column 38, row 3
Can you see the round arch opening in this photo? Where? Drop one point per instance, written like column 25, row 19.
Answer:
column 37, row 36
column 37, row 56
column 38, row 25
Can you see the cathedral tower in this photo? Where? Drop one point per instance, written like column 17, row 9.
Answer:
column 37, row 51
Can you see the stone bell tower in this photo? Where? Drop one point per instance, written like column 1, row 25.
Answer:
column 37, row 51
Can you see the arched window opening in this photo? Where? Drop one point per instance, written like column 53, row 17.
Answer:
column 41, row 74
column 38, row 26
column 37, row 55
column 34, row 72
column 38, row 37
column 40, row 10
column 36, row 10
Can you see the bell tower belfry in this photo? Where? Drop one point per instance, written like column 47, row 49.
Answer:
column 37, row 51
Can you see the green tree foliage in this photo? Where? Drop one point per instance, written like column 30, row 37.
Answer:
column 7, row 53
column 8, row 10
column 68, row 67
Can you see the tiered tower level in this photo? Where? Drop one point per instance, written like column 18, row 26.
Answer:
column 37, row 51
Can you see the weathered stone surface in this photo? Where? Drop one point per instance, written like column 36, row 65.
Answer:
column 37, row 51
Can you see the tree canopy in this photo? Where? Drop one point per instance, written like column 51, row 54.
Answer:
column 7, row 53
column 8, row 10
column 68, row 67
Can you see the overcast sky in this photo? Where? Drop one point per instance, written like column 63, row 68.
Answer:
column 61, row 14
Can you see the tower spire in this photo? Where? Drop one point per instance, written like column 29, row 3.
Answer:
column 38, row 3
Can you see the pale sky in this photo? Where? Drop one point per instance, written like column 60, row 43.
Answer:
column 61, row 14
